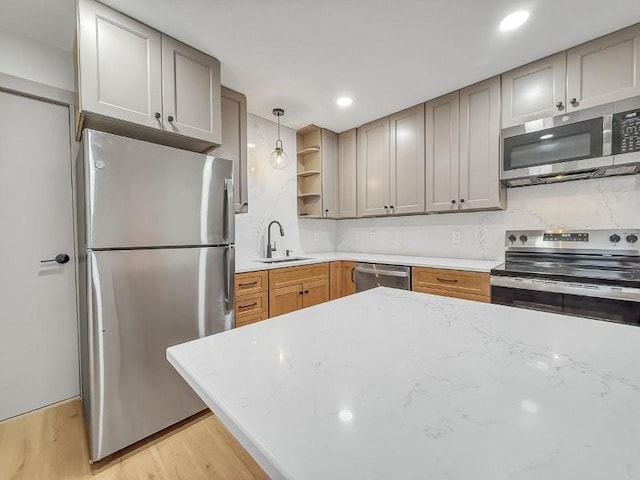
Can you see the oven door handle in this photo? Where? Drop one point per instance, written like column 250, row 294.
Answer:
column 554, row 286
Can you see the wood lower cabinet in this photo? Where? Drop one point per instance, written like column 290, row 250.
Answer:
column 252, row 297
column 452, row 283
column 293, row 288
column 335, row 280
column 348, row 278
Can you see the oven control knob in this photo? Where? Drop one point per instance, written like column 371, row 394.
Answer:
column 615, row 238
column 631, row 238
column 512, row 238
column 523, row 238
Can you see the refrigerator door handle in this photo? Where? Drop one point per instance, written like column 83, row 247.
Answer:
column 229, row 278
column 229, row 208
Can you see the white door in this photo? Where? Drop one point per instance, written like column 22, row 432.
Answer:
column 373, row 168
column 329, row 174
column 406, row 177
column 38, row 320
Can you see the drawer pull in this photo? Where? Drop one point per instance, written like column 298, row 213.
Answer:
column 248, row 306
column 250, row 284
column 447, row 280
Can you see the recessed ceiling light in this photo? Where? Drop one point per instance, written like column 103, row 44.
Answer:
column 547, row 136
column 514, row 20
column 344, row 101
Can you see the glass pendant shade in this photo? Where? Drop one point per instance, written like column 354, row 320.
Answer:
column 278, row 157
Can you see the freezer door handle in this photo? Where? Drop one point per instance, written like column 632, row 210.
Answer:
column 229, row 280
column 229, row 209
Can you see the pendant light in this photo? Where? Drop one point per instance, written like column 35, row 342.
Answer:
column 279, row 158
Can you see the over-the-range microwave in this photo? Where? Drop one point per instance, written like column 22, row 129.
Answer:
column 597, row 141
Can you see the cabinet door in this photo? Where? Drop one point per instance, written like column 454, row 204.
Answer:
column 190, row 92
column 329, row 151
column 480, row 186
column 315, row 292
column 442, row 118
column 373, row 168
column 234, row 143
column 406, row 179
column 348, row 278
column 347, row 174
column 605, row 70
column 119, row 66
column 284, row 300
column 335, row 280
column 534, row 91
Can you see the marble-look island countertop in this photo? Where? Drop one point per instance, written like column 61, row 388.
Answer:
column 393, row 384
column 470, row 265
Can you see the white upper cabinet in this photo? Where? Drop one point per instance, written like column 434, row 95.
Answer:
column 234, row 143
column 442, row 141
column 406, row 170
column 120, row 64
column 480, row 186
column 373, row 168
column 130, row 76
column 537, row 90
column 190, row 91
column 347, row 174
column 604, row 70
column 330, row 155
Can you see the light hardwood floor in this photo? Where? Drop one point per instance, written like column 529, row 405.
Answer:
column 50, row 444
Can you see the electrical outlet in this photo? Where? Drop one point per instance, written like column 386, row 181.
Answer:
column 316, row 237
column 455, row 238
column 372, row 236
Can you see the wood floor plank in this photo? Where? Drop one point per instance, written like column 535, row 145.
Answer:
column 50, row 444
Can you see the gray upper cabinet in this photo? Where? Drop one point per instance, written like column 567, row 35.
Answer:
column 330, row 156
column 604, row 70
column 347, row 174
column 135, row 81
column 480, row 186
column 373, row 168
column 120, row 64
column 535, row 91
column 442, row 118
column 234, row 143
column 190, row 92
column 406, row 169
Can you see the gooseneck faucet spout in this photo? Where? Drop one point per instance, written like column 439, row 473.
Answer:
column 272, row 248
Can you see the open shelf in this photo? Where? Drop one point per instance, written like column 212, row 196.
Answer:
column 309, row 150
column 308, row 195
column 309, row 160
column 309, row 173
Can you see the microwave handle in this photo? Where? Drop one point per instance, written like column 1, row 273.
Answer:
column 607, row 137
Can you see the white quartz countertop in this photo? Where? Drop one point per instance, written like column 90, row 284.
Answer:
column 405, row 260
column 392, row 384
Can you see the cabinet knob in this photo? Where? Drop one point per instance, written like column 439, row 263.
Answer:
column 391, row 207
column 300, row 292
column 560, row 106
column 158, row 115
column 574, row 102
column 462, row 200
column 170, row 118
column 386, row 207
column 306, row 291
column 453, row 202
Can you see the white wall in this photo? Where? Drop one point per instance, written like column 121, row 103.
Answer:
column 598, row 203
column 272, row 196
column 26, row 58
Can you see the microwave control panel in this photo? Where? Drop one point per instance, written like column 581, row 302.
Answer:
column 626, row 132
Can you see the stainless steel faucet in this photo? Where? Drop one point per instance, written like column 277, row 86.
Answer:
column 270, row 248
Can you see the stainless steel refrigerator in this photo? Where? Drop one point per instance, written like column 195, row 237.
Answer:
column 156, row 267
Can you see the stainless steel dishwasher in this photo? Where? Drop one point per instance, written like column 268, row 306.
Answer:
column 372, row 275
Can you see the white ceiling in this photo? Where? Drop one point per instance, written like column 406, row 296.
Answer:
column 302, row 54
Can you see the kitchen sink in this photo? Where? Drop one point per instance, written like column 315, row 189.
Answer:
column 282, row 259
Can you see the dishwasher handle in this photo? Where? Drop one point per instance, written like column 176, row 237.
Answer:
column 383, row 273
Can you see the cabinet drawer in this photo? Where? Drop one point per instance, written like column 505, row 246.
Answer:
column 453, row 293
column 283, row 277
column 247, row 319
column 250, row 304
column 472, row 283
column 251, row 282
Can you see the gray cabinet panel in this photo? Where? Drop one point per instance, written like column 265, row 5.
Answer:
column 406, row 170
column 119, row 66
column 191, row 92
column 480, row 186
column 604, row 70
column 373, row 168
column 347, row 174
column 534, row 91
column 442, row 153
column 329, row 150
column 234, row 143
